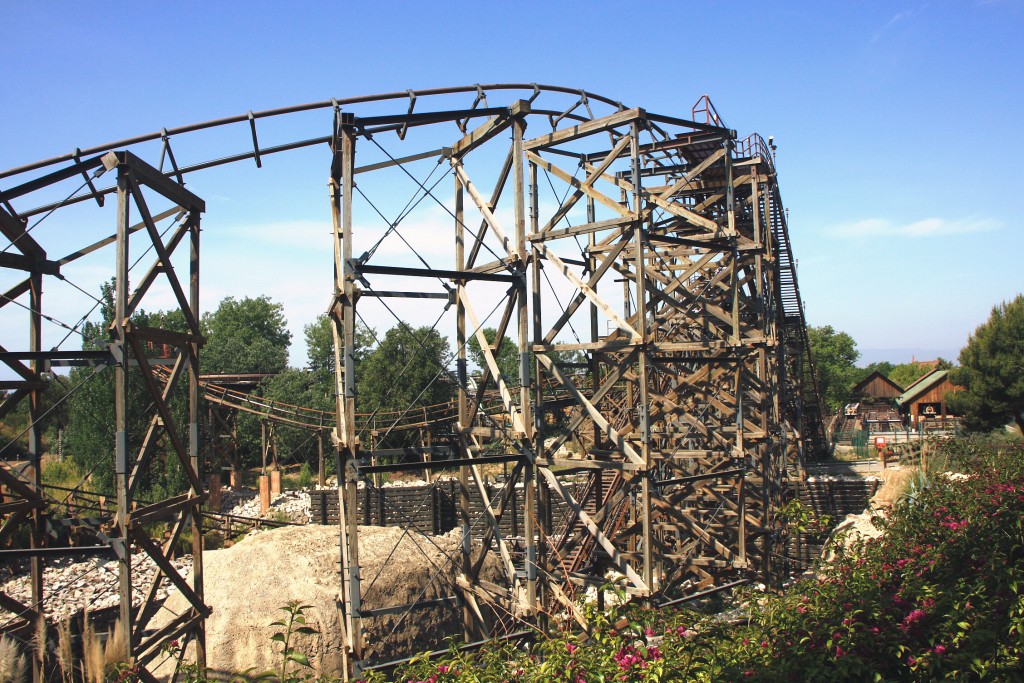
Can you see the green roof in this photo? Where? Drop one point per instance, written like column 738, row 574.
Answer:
column 922, row 385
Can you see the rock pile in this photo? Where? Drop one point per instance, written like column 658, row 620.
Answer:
column 289, row 506
column 72, row 586
column 841, row 477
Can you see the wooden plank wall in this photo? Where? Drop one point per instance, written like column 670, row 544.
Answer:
column 430, row 509
column 837, row 499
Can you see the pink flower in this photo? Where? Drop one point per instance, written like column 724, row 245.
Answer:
column 840, row 652
column 571, row 647
column 912, row 618
column 627, row 657
column 648, row 631
column 939, row 649
column 442, row 668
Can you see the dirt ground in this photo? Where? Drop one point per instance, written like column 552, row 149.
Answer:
column 247, row 584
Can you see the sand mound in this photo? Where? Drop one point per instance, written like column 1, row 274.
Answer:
column 247, row 584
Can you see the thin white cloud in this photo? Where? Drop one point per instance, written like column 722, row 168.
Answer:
column 927, row 227
column 894, row 20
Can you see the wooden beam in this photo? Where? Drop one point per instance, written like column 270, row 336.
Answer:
column 588, row 190
column 583, row 129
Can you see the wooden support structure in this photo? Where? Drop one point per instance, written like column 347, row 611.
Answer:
column 640, row 266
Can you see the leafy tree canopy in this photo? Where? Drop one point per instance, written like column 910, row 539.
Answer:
column 906, row 374
column 306, row 388
column 320, row 343
column 992, row 371
column 90, row 411
column 834, row 354
column 884, row 367
column 507, row 356
column 245, row 336
column 407, row 368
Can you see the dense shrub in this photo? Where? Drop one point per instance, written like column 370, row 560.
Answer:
column 939, row 595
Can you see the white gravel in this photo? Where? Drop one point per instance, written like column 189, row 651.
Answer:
column 69, row 587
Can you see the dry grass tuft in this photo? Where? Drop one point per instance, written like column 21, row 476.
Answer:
column 13, row 664
column 893, row 487
column 92, row 653
column 117, row 648
column 65, row 653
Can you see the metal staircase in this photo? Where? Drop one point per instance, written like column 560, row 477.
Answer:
column 574, row 549
column 801, row 399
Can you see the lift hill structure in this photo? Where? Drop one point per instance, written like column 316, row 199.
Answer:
column 665, row 243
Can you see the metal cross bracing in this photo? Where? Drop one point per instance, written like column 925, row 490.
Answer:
column 654, row 248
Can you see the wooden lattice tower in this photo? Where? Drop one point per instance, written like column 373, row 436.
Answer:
column 641, row 266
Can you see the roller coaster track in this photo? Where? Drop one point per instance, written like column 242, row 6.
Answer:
column 654, row 246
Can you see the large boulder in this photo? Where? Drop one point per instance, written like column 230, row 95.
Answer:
column 248, row 584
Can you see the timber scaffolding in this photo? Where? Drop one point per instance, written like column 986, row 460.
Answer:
column 655, row 246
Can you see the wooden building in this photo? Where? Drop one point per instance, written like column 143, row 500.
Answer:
column 876, row 386
column 923, row 404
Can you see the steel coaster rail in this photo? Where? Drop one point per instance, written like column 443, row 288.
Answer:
column 167, row 133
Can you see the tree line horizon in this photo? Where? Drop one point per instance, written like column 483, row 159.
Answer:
column 407, row 366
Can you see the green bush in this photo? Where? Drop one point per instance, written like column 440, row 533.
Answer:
column 940, row 595
column 65, row 473
column 305, row 476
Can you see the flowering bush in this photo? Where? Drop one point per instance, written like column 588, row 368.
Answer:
column 939, row 595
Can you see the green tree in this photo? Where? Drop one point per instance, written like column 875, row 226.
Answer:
column 320, row 343
column 992, row 371
column 245, row 336
column 311, row 387
column 906, row 374
column 54, row 410
column 90, row 419
column 305, row 388
column 884, row 367
column 407, row 370
column 507, row 357
column 834, row 354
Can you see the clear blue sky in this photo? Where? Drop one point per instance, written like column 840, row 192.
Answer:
column 896, row 122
